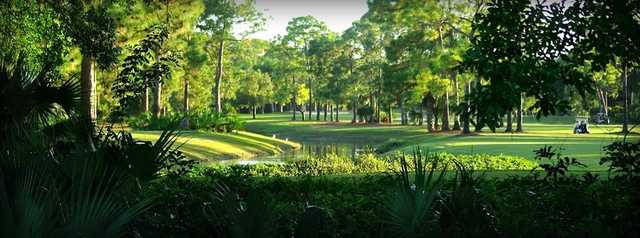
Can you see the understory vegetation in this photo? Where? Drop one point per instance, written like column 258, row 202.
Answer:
column 423, row 197
column 197, row 120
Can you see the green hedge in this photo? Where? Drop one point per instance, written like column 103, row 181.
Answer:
column 344, row 197
column 519, row 206
column 366, row 163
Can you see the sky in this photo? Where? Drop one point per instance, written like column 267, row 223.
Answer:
column 337, row 14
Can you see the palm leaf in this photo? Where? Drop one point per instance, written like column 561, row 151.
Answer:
column 80, row 197
column 411, row 206
column 30, row 100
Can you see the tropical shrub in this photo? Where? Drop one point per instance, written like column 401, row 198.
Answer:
column 148, row 122
column 191, row 206
column 623, row 158
column 419, row 199
column 552, row 162
column 47, row 192
column 31, row 100
column 411, row 208
column 145, row 160
column 51, row 184
column 464, row 209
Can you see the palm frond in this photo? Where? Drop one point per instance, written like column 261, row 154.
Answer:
column 411, row 206
column 81, row 197
column 30, row 99
column 464, row 211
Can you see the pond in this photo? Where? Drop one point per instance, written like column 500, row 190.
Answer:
column 306, row 150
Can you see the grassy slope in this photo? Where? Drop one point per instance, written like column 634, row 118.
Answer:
column 551, row 131
column 208, row 146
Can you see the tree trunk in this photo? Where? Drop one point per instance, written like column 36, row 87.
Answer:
column 478, row 124
column 430, row 101
column 625, row 97
column 456, row 117
column 325, row 112
column 185, row 102
column 310, row 105
column 293, row 108
column 465, row 121
column 157, row 91
column 509, row 122
column 145, row 100
column 606, row 104
column 88, row 86
column 519, row 117
column 373, row 106
column 185, row 107
column 354, row 111
column 390, row 116
column 337, row 112
column 331, row 111
column 294, row 104
column 403, row 116
column 253, row 111
column 602, row 100
column 309, row 80
column 157, row 98
column 436, row 125
column 421, row 119
column 317, row 111
column 445, row 112
column 88, row 95
column 218, row 79
column 379, row 114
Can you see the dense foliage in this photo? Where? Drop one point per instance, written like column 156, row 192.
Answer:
column 362, row 164
column 462, row 203
column 439, row 64
column 196, row 120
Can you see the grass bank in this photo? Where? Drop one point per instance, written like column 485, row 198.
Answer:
column 208, row 146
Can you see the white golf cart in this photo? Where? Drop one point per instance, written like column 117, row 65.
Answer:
column 582, row 125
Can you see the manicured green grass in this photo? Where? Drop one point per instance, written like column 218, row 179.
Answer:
column 208, row 146
column 555, row 131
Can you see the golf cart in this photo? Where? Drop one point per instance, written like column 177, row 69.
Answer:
column 581, row 126
column 601, row 118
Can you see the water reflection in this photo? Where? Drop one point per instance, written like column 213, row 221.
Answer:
column 319, row 150
column 306, row 150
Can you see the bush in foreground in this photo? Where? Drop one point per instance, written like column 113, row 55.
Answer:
column 417, row 200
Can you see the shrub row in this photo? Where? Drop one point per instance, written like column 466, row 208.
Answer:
column 519, row 206
column 332, row 164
